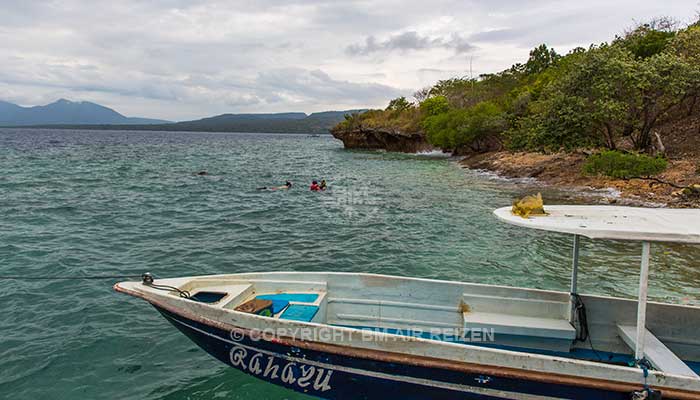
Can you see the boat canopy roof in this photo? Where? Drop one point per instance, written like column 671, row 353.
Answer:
column 614, row 222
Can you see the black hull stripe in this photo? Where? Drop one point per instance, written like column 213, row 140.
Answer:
column 373, row 374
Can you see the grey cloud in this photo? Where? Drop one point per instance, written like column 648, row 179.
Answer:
column 316, row 86
column 85, row 78
column 496, row 35
column 409, row 41
column 562, row 25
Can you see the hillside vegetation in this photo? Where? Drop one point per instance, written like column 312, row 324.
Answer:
column 609, row 96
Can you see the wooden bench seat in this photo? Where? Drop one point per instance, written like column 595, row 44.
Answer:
column 660, row 356
column 505, row 324
column 521, row 332
column 525, row 319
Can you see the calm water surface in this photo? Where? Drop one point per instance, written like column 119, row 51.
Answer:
column 93, row 203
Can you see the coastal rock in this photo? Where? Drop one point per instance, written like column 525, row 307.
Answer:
column 382, row 139
column 691, row 190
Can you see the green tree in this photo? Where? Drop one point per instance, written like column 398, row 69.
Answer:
column 649, row 39
column 686, row 44
column 434, row 106
column 582, row 107
column 465, row 128
column 399, row 104
column 481, row 122
column 438, row 129
column 541, row 58
column 615, row 95
column 646, row 41
column 662, row 84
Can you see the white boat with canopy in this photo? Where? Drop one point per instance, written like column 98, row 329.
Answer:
column 355, row 335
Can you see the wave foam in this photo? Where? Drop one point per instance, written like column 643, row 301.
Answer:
column 433, row 153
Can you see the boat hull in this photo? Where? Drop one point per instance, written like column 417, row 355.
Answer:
column 342, row 375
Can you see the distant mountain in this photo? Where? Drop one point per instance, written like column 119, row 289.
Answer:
column 291, row 122
column 241, row 117
column 86, row 115
column 65, row 112
column 271, row 123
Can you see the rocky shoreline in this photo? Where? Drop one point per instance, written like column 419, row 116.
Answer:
column 563, row 171
column 383, row 139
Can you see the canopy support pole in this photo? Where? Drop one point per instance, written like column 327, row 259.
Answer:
column 642, row 306
column 574, row 264
column 574, row 276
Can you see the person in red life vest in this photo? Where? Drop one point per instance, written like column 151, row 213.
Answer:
column 314, row 186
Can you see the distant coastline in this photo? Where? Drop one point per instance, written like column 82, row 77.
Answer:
column 175, row 127
column 66, row 114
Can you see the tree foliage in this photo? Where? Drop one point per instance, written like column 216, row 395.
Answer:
column 616, row 164
column 610, row 93
column 459, row 128
column 399, row 104
column 434, row 106
column 649, row 39
column 541, row 58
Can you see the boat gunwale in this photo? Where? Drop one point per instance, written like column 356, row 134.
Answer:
column 422, row 361
column 236, row 276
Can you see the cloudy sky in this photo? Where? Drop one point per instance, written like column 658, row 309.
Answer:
column 185, row 59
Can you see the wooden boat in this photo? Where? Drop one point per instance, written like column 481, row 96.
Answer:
column 353, row 335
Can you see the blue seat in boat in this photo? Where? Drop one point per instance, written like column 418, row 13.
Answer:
column 279, row 305
column 299, row 312
column 281, row 300
column 295, row 297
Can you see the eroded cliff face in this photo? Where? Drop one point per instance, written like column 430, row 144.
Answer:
column 381, row 139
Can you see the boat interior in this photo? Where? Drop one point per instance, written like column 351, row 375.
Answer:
column 593, row 328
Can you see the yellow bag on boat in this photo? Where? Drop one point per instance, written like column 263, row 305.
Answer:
column 529, row 205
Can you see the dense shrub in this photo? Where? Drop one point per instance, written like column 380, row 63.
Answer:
column 399, row 104
column 646, row 40
column 405, row 120
column 460, row 127
column 616, row 164
column 434, row 106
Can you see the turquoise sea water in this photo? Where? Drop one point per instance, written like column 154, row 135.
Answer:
column 120, row 203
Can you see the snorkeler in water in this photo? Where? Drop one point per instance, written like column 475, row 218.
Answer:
column 287, row 185
column 323, row 185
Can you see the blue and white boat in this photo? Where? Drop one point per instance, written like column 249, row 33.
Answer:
column 365, row 336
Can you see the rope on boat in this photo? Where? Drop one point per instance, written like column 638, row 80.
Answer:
column 648, row 393
column 183, row 293
column 583, row 334
column 147, row 279
column 582, row 318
